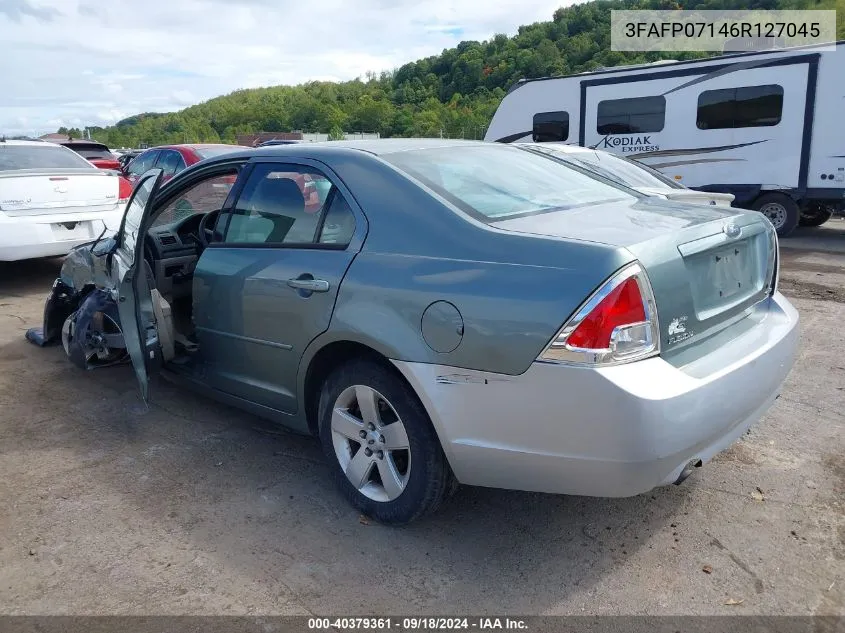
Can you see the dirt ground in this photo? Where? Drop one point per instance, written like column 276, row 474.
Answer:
column 194, row 508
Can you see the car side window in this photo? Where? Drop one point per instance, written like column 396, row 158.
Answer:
column 143, row 163
column 280, row 204
column 180, row 163
column 167, row 162
column 339, row 223
column 204, row 196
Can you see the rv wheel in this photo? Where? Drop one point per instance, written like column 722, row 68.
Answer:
column 781, row 210
column 816, row 215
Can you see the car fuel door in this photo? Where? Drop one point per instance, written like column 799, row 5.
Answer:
column 132, row 288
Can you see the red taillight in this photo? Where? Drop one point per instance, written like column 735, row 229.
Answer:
column 617, row 324
column 230, row 180
column 623, row 306
column 124, row 189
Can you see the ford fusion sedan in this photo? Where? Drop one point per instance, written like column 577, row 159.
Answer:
column 52, row 199
column 453, row 312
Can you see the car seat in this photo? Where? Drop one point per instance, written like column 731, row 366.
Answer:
column 269, row 213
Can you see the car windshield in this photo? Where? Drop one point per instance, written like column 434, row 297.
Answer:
column 210, row 152
column 92, row 151
column 496, row 181
column 46, row 156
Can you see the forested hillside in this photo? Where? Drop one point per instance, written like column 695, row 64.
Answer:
column 454, row 93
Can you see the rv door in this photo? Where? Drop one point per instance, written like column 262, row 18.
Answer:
column 134, row 298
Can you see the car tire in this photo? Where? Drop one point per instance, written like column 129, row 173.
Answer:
column 360, row 404
column 781, row 210
column 816, row 217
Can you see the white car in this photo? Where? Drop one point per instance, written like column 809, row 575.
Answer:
column 631, row 174
column 52, row 199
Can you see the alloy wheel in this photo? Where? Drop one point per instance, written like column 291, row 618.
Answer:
column 94, row 344
column 371, row 443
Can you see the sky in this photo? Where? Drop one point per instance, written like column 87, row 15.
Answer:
column 74, row 63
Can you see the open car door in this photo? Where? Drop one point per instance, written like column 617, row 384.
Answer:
column 134, row 300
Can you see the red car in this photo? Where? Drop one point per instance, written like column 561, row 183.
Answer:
column 95, row 153
column 172, row 159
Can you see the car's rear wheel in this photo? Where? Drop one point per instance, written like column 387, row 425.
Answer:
column 384, row 453
column 781, row 210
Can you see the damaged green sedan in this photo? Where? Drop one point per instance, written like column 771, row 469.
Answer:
column 442, row 312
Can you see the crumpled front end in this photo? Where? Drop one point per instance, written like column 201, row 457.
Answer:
column 81, row 311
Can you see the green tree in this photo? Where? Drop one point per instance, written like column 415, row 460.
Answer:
column 454, row 93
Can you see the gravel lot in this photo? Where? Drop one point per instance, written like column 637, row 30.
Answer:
column 192, row 507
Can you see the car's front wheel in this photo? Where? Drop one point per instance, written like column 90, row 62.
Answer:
column 383, row 450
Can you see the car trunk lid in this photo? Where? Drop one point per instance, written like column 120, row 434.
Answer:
column 707, row 265
column 35, row 192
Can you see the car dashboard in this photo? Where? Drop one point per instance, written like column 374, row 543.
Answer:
column 172, row 251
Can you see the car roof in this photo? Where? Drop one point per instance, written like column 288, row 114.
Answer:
column 22, row 142
column 195, row 146
column 81, row 141
column 384, row 146
column 380, row 147
column 560, row 147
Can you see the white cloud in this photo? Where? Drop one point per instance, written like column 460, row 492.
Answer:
column 87, row 62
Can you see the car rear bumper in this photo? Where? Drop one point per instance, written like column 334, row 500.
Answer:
column 611, row 432
column 25, row 237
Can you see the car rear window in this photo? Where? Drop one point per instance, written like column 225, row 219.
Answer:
column 45, row 156
column 492, row 181
column 211, row 152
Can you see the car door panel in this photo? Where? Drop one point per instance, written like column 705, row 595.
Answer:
column 253, row 337
column 134, row 298
column 257, row 306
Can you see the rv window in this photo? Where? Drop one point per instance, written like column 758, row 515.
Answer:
column 550, row 127
column 751, row 106
column 631, row 116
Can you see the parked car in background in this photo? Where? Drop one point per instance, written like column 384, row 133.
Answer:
column 96, row 153
column 454, row 311
column 629, row 173
column 172, row 159
column 276, row 141
column 52, row 199
column 127, row 156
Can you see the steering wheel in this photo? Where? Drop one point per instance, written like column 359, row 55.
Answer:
column 204, row 233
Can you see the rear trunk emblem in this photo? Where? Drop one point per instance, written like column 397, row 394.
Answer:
column 732, row 230
column 678, row 331
column 60, row 189
column 677, row 326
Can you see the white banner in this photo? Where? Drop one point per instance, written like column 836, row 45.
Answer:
column 721, row 31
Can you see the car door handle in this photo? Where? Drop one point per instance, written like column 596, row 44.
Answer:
column 311, row 285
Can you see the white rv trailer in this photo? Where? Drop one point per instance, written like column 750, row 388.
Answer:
column 767, row 127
